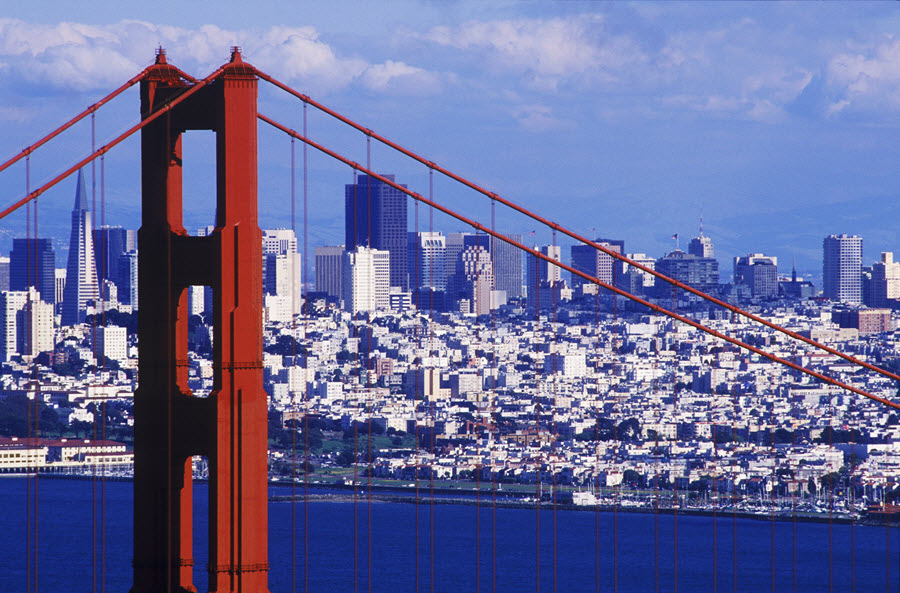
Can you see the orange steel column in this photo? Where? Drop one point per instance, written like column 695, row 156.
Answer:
column 238, row 519
column 171, row 425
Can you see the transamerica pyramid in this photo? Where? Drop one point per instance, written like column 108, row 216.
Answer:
column 81, row 275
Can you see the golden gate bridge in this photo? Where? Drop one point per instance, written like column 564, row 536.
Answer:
column 229, row 426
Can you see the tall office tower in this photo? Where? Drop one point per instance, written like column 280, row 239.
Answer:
column 366, row 280
column 375, row 217
column 842, row 268
column 476, row 279
column 507, row 263
column 81, row 275
column 758, row 272
column 454, row 244
column 110, row 243
column 596, row 263
column 329, row 259
column 4, row 273
column 128, row 278
column 11, row 302
column 281, row 266
column 697, row 272
column 701, row 247
column 426, row 253
column 32, row 262
column 539, row 271
column 34, row 325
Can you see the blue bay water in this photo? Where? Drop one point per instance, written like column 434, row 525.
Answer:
column 460, row 546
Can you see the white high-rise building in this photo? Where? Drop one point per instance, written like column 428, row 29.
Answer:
column 842, row 268
column 27, row 324
column 885, row 280
column 281, row 266
column 11, row 302
column 366, row 280
column 34, row 332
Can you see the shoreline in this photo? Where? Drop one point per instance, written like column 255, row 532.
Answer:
column 509, row 500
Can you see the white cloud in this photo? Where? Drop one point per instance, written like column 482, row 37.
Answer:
column 549, row 51
column 866, row 79
column 536, row 118
column 73, row 56
column 400, row 77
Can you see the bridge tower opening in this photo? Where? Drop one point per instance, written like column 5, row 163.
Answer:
column 171, row 425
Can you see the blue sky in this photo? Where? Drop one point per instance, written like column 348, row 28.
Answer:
column 778, row 121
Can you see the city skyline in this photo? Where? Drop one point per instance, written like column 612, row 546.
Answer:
column 787, row 110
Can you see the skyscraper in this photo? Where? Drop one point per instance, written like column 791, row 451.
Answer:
column 697, row 272
column 506, row 260
column 885, row 281
column 426, row 259
column 111, row 243
column 542, row 276
column 596, row 263
column 128, row 278
column 281, row 267
column 842, row 268
column 758, row 272
column 365, row 283
column 476, row 279
column 375, row 217
column 81, row 275
column 329, row 259
column 32, row 262
column 11, row 303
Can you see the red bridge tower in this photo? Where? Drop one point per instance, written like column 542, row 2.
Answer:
column 171, row 425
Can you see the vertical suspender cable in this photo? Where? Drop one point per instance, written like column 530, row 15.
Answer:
column 492, row 428
column 94, row 496
column 731, row 483
column 369, row 401
column 304, row 279
column 417, row 336
column 797, row 485
column 675, row 414
column 657, row 345
column 355, row 424
column 37, row 408
column 293, row 406
column 715, row 494
column 431, row 437
column 476, row 307
column 103, row 404
column 31, row 542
